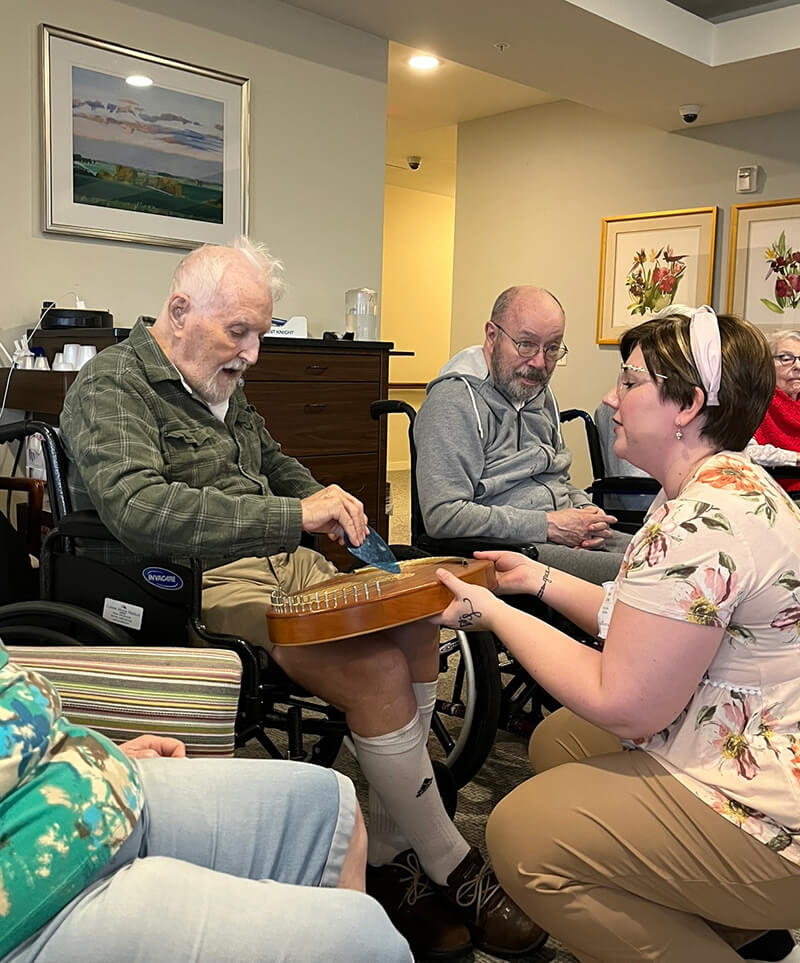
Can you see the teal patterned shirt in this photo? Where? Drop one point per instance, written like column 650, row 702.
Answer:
column 69, row 799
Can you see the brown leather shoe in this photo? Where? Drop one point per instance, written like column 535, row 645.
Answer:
column 498, row 926
column 418, row 911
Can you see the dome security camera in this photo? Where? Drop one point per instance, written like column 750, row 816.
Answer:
column 414, row 162
column 689, row 112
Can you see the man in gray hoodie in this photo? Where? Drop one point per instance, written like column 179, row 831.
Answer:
column 490, row 457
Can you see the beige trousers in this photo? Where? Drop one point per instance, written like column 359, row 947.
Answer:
column 620, row 862
column 235, row 595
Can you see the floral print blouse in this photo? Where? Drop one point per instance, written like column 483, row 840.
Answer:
column 68, row 800
column 726, row 552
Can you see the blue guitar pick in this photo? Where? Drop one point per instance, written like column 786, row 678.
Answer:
column 374, row 551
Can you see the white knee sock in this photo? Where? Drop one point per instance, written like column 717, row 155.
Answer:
column 398, row 768
column 385, row 838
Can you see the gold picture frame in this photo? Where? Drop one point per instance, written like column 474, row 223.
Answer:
column 649, row 261
column 764, row 263
column 165, row 163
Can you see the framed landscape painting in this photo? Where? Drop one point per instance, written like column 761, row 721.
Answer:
column 650, row 261
column 764, row 263
column 141, row 148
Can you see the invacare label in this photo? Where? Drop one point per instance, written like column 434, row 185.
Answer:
column 162, row 578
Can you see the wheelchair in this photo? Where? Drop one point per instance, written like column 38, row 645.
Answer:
column 123, row 607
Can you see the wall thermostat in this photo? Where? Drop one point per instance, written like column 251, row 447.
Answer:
column 747, row 180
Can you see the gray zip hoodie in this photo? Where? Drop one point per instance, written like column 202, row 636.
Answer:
column 484, row 467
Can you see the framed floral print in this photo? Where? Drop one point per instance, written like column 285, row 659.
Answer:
column 764, row 263
column 650, row 261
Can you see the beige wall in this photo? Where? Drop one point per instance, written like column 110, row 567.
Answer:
column 533, row 186
column 317, row 153
column 417, row 285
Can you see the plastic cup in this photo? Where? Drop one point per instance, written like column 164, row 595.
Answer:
column 71, row 354
column 85, row 353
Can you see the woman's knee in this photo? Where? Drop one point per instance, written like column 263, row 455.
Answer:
column 524, row 829
column 565, row 737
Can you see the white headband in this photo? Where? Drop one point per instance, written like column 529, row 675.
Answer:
column 706, row 350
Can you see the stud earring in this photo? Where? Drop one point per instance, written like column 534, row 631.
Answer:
column 679, row 434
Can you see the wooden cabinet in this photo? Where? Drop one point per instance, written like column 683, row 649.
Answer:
column 315, row 397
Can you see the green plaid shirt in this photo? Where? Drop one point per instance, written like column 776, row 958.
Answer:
column 166, row 476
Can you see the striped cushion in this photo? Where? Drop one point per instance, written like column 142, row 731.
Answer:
column 191, row 694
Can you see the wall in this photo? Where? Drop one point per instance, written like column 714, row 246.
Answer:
column 316, row 157
column 417, row 286
column 533, row 186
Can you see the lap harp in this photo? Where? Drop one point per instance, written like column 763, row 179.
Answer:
column 369, row 600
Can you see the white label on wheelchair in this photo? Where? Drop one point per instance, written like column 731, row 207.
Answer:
column 123, row 613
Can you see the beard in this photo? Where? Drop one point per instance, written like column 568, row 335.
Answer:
column 219, row 386
column 519, row 384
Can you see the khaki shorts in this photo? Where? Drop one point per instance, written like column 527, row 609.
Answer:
column 235, row 595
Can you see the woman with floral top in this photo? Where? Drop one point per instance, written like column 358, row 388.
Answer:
column 133, row 853
column 688, row 844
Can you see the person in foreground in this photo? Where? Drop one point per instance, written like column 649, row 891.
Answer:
column 687, row 844
column 491, row 461
column 133, row 853
column 162, row 442
column 777, row 439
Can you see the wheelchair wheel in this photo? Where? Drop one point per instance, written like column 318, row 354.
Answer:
column 467, row 713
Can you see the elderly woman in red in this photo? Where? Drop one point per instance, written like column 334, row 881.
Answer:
column 663, row 822
column 777, row 440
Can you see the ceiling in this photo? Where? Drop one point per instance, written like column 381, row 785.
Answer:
column 423, row 109
column 639, row 58
column 719, row 10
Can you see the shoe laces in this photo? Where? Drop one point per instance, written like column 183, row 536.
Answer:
column 478, row 890
column 412, row 874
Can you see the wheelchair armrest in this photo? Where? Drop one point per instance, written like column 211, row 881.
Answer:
column 626, row 484
column 466, row 546
column 783, row 471
column 83, row 524
column 391, row 407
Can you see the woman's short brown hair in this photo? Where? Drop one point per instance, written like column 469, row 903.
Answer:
column 746, row 386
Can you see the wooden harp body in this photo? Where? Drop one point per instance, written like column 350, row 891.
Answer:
column 369, row 600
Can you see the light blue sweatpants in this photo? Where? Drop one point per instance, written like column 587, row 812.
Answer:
column 233, row 860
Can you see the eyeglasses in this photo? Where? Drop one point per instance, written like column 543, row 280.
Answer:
column 784, row 359
column 529, row 349
column 624, row 384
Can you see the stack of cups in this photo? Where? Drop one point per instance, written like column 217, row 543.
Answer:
column 73, row 357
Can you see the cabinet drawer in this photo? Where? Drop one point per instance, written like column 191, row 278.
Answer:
column 317, row 419
column 320, row 366
column 357, row 474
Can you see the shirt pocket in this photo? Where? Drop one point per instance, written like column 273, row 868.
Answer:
column 247, row 431
column 189, row 453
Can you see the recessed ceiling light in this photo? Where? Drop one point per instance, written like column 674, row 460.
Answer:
column 139, row 80
column 423, row 62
